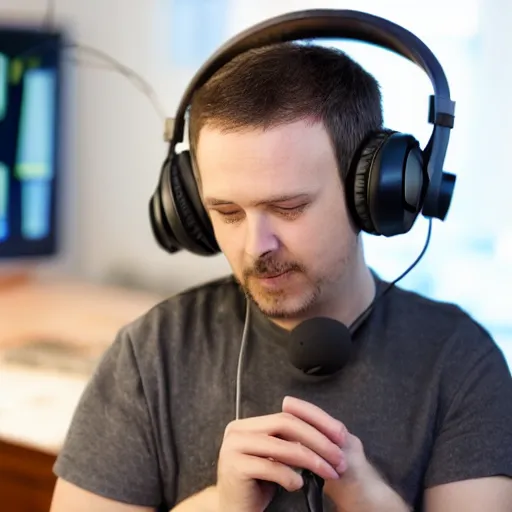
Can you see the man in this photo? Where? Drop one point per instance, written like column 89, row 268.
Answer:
column 419, row 419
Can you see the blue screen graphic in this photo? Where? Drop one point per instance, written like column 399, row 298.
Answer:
column 29, row 101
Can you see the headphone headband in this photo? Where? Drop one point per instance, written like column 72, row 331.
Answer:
column 361, row 26
column 327, row 24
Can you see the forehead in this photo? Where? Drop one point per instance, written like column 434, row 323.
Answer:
column 251, row 164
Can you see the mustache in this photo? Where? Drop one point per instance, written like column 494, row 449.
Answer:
column 271, row 266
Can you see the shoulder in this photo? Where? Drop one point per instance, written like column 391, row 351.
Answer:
column 450, row 365
column 434, row 336
column 185, row 320
column 440, row 340
column 417, row 317
column 203, row 303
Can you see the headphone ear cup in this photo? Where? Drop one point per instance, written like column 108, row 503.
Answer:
column 159, row 225
column 397, row 185
column 183, row 218
column 175, row 223
column 198, row 215
column 358, row 180
column 389, row 183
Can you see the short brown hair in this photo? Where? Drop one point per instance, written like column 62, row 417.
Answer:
column 286, row 82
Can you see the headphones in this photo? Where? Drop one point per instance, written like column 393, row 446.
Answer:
column 391, row 180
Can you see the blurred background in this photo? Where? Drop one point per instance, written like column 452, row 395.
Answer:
column 124, row 66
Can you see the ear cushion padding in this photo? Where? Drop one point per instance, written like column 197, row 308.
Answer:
column 191, row 191
column 159, row 224
column 359, row 179
column 185, row 223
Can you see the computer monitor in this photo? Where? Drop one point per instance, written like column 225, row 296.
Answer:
column 30, row 100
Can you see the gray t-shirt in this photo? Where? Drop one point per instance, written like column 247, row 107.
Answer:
column 427, row 390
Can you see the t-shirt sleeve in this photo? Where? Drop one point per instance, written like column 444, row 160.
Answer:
column 474, row 436
column 110, row 449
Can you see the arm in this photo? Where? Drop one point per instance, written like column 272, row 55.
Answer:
column 109, row 450
column 68, row 497
column 204, row 501
column 471, row 464
column 494, row 493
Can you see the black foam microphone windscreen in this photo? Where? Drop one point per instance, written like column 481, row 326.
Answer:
column 320, row 346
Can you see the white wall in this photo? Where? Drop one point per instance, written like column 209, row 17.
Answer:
column 117, row 144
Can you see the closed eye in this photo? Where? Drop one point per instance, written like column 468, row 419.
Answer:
column 290, row 211
column 231, row 216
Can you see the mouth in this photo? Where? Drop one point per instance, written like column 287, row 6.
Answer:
column 275, row 281
column 273, row 276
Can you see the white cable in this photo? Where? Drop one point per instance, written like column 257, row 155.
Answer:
column 243, row 344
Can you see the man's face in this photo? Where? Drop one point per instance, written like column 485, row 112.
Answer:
column 278, row 210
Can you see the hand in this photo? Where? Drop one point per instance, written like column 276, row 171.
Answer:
column 360, row 487
column 258, row 453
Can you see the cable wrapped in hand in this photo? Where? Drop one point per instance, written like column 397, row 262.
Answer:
column 313, row 491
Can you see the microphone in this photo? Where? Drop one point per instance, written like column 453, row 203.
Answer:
column 320, row 346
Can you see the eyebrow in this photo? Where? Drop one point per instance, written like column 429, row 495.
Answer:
column 280, row 198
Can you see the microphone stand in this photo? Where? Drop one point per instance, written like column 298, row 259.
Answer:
column 313, row 491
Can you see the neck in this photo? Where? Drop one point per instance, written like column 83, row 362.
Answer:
column 348, row 300
column 356, row 294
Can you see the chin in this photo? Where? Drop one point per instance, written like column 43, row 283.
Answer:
column 283, row 307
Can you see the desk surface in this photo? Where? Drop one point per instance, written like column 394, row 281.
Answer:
column 77, row 321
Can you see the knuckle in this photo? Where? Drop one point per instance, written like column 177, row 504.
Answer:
column 288, row 419
column 231, row 445
column 318, row 464
column 229, row 465
column 356, row 443
column 310, row 459
column 292, row 483
column 304, row 452
column 342, row 433
column 230, row 428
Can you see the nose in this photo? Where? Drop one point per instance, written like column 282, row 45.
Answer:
column 260, row 237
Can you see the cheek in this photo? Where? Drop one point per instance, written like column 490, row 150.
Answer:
column 320, row 241
column 231, row 243
column 309, row 241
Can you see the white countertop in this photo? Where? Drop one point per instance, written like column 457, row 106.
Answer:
column 36, row 407
column 52, row 334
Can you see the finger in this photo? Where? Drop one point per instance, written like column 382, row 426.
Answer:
column 257, row 468
column 289, row 453
column 334, row 429
column 291, row 428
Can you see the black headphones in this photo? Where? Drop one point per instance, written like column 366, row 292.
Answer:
column 391, row 180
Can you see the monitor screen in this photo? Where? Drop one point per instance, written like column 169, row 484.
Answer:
column 30, row 92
